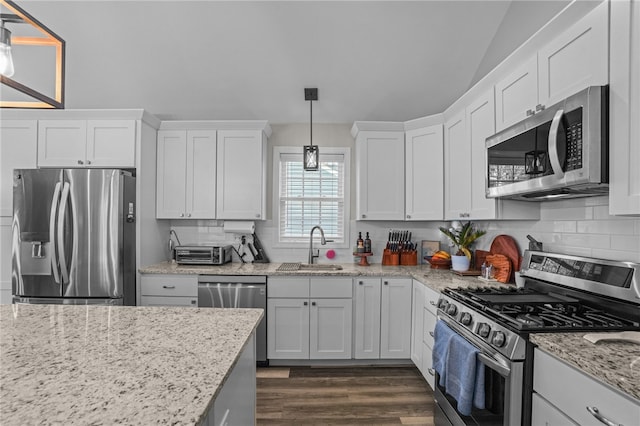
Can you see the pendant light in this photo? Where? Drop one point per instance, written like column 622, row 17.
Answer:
column 311, row 155
column 6, row 61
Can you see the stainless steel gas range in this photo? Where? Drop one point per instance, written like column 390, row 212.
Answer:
column 561, row 293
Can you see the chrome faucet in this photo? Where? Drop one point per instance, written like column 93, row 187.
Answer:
column 323, row 241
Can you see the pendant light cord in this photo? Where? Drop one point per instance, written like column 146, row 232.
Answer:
column 311, row 122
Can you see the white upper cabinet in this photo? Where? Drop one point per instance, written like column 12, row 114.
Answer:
column 424, row 174
column 574, row 60
column 241, row 174
column 380, row 175
column 18, row 150
column 186, row 174
column 86, row 143
column 517, row 94
column 466, row 168
column 624, row 145
column 457, row 159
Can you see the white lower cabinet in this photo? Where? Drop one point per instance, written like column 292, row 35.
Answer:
column 423, row 323
column 169, row 290
column 383, row 318
column 309, row 318
column 568, row 393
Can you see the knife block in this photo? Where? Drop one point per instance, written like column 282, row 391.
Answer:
column 390, row 258
column 409, row 258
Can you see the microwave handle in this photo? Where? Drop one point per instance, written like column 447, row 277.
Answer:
column 553, row 145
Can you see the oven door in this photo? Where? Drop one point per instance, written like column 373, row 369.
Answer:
column 503, row 388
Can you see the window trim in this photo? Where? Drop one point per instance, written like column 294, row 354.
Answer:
column 277, row 152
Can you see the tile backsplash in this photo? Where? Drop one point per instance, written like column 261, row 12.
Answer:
column 580, row 227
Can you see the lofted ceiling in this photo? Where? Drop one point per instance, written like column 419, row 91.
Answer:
column 217, row 60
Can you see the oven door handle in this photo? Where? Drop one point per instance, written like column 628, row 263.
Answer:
column 494, row 364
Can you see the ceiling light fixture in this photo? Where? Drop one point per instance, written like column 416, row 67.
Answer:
column 46, row 39
column 6, row 61
column 311, row 153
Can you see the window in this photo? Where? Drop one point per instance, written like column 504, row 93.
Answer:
column 310, row 198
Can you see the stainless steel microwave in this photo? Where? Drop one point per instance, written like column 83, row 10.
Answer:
column 559, row 152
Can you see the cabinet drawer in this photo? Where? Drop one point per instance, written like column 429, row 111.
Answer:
column 572, row 391
column 169, row 301
column 428, row 325
column 331, row 287
column 285, row 287
column 169, row 285
column 431, row 299
column 543, row 413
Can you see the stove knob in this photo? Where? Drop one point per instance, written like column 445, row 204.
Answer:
column 443, row 305
column 452, row 309
column 484, row 329
column 465, row 318
column 499, row 339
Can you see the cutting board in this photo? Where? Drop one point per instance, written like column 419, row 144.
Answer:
column 507, row 246
column 625, row 336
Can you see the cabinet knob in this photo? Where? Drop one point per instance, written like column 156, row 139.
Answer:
column 80, row 162
column 530, row 112
column 539, row 107
column 257, row 215
column 433, row 303
column 169, row 286
column 431, row 372
column 408, row 216
column 602, row 419
column 364, row 216
column 360, row 283
column 188, row 214
column 313, row 303
column 431, row 333
column 386, row 283
column 88, row 161
column 306, row 303
column 194, row 301
column 181, row 214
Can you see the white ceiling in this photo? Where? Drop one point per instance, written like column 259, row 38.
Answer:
column 370, row 60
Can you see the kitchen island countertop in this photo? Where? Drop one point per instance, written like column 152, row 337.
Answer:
column 78, row 364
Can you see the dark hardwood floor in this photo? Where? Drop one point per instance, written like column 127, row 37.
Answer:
column 343, row 396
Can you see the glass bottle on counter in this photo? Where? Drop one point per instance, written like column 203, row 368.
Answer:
column 367, row 244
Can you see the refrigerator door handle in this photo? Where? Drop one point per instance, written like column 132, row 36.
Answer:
column 61, row 215
column 52, row 230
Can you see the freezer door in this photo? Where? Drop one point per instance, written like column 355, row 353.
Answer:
column 90, row 233
column 36, row 195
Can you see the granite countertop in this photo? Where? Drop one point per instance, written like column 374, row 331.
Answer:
column 71, row 364
column 615, row 363
column 437, row 279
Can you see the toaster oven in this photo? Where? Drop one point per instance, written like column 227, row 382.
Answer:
column 203, row 255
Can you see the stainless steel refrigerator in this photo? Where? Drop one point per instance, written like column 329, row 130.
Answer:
column 73, row 236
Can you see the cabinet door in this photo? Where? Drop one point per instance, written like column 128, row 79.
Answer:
column 480, row 120
column 168, row 301
column 288, row 328
column 171, row 172
column 424, row 174
column 201, row 174
column 457, row 160
column 241, row 176
column 367, row 318
column 330, row 329
column 111, row 143
column 516, row 94
column 380, row 172
column 62, row 143
column 624, row 186
column 18, row 150
column 576, row 59
column 543, row 413
column 395, row 319
column 416, row 324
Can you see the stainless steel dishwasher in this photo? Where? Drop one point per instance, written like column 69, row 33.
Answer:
column 220, row 291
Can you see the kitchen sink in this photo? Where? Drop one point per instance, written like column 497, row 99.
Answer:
column 292, row 267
